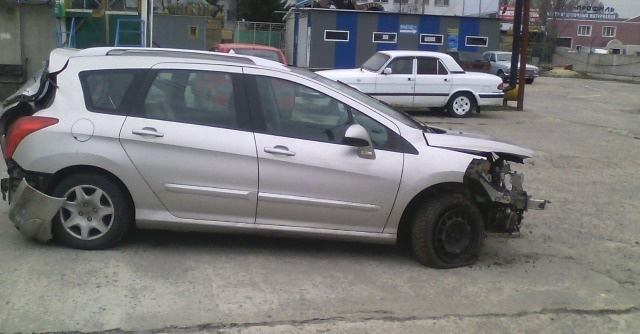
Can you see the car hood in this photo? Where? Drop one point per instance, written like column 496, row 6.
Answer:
column 477, row 144
column 508, row 64
column 345, row 75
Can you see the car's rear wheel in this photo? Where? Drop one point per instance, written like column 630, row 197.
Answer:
column 529, row 81
column 461, row 104
column 447, row 232
column 96, row 215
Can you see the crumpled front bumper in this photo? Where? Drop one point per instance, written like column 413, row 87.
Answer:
column 32, row 211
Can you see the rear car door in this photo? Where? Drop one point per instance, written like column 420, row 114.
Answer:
column 433, row 83
column 397, row 88
column 190, row 138
column 308, row 177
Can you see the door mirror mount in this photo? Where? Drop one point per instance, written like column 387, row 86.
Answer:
column 357, row 136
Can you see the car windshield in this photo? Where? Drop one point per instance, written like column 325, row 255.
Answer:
column 356, row 94
column 503, row 56
column 266, row 54
column 376, row 61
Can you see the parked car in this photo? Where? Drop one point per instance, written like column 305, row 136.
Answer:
column 108, row 138
column 422, row 79
column 501, row 66
column 256, row 50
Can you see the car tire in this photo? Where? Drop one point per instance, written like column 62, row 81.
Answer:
column 502, row 76
column 461, row 105
column 96, row 215
column 528, row 81
column 447, row 232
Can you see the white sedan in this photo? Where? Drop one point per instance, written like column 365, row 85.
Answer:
column 419, row 79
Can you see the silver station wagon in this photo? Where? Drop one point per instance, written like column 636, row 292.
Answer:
column 105, row 139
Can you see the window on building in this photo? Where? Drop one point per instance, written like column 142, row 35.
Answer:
column 441, row 3
column 608, row 31
column 385, row 37
column 584, row 30
column 336, row 35
column 400, row 1
column 431, row 39
column 477, row 41
column 564, row 41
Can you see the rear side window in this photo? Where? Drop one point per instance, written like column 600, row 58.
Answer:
column 431, row 66
column 195, row 97
column 109, row 91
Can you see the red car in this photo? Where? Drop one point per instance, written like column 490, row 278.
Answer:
column 256, row 50
column 283, row 91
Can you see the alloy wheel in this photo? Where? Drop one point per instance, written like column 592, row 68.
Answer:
column 88, row 213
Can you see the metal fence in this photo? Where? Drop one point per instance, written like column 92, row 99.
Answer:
column 264, row 33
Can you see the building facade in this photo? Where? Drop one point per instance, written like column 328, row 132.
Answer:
column 587, row 35
column 324, row 38
column 484, row 8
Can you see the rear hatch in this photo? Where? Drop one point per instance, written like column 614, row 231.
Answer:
column 36, row 93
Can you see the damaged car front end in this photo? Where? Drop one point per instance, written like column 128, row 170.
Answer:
column 497, row 188
column 504, row 195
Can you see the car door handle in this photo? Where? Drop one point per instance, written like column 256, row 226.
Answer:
column 446, row 80
column 409, row 79
column 147, row 132
column 282, row 150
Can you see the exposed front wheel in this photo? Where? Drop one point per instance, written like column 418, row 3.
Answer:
column 461, row 105
column 447, row 232
column 97, row 212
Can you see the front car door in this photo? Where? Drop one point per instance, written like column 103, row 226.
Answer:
column 189, row 137
column 433, row 83
column 308, row 178
column 397, row 88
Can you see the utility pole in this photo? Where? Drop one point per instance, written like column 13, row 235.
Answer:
column 523, row 55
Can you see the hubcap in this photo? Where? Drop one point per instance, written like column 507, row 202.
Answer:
column 88, row 212
column 461, row 105
column 453, row 234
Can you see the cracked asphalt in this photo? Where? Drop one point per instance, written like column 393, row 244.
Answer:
column 575, row 269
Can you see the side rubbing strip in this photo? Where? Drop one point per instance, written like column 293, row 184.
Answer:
column 327, row 203
column 207, row 191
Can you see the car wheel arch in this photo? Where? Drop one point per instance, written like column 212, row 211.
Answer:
column 410, row 210
column 464, row 91
column 62, row 174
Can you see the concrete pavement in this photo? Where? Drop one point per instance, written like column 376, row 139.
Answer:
column 576, row 268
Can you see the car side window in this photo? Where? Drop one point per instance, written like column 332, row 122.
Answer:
column 292, row 110
column 197, row 97
column 493, row 57
column 379, row 134
column 109, row 91
column 433, row 66
column 401, row 66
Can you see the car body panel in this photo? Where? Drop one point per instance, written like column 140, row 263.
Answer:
column 504, row 66
column 203, row 178
column 238, row 48
column 421, row 90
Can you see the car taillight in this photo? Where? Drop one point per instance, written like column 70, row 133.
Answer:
column 23, row 127
column 501, row 86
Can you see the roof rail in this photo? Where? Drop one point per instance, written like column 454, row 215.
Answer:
column 162, row 52
column 177, row 53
